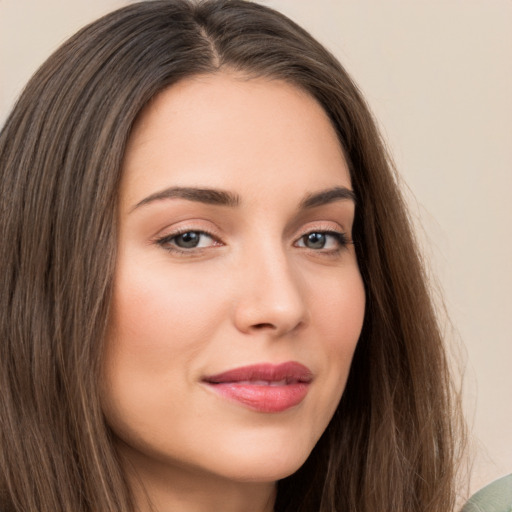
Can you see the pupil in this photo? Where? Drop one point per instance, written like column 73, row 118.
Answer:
column 188, row 240
column 315, row 240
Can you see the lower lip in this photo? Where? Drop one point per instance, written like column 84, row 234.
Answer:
column 263, row 398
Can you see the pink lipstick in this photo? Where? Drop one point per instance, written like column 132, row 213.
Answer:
column 264, row 387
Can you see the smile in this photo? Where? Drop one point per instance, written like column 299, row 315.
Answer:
column 264, row 388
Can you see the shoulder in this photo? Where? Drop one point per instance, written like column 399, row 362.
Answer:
column 495, row 497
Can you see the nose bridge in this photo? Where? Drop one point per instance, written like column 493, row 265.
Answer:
column 271, row 295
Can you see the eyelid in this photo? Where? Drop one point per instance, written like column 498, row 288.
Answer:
column 324, row 227
column 340, row 237
column 191, row 224
column 163, row 240
column 332, row 228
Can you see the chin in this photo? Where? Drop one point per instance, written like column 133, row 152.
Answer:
column 259, row 465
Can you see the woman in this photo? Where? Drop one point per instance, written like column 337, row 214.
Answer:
column 214, row 299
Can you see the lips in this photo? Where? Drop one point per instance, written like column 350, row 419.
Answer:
column 264, row 387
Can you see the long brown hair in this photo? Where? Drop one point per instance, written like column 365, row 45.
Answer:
column 392, row 442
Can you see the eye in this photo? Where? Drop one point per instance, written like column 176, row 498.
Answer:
column 187, row 240
column 326, row 240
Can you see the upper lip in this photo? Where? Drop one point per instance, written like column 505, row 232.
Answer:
column 286, row 373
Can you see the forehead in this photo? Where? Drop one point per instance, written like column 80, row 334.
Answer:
column 218, row 129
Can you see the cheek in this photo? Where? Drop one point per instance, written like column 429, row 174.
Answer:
column 158, row 326
column 338, row 311
column 345, row 317
column 158, row 317
column 339, row 314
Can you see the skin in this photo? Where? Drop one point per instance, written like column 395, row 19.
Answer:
column 254, row 290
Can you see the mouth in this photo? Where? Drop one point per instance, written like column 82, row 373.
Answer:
column 265, row 387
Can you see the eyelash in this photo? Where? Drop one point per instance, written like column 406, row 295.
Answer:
column 165, row 241
column 341, row 239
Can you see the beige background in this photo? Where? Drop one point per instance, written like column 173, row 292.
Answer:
column 438, row 75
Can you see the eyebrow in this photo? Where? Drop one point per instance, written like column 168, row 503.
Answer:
column 327, row 196
column 200, row 195
column 224, row 198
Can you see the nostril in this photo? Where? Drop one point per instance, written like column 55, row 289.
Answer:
column 264, row 326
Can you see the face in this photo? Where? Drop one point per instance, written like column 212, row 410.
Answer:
column 238, row 300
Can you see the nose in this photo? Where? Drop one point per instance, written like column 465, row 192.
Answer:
column 271, row 296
